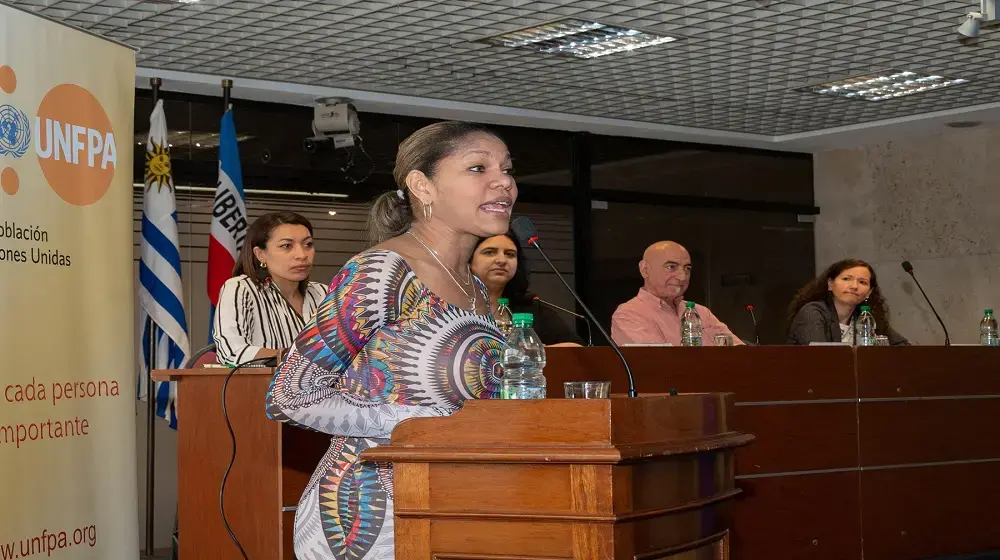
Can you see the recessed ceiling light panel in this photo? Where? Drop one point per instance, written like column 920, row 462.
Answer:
column 579, row 38
column 883, row 86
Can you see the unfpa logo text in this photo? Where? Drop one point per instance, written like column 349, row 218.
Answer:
column 73, row 139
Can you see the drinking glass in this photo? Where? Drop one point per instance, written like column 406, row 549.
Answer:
column 587, row 389
column 723, row 339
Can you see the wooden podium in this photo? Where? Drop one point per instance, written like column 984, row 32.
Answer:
column 618, row 478
column 272, row 466
column 650, row 477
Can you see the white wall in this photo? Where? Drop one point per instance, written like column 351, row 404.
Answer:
column 932, row 200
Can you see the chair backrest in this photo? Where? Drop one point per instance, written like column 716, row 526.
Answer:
column 204, row 356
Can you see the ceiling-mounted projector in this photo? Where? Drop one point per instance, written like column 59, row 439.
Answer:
column 334, row 119
column 985, row 18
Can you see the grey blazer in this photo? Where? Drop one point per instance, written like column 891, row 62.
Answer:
column 817, row 322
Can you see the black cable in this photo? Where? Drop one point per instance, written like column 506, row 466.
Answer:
column 350, row 164
column 270, row 361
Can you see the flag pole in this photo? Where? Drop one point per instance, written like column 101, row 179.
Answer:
column 227, row 90
column 155, row 84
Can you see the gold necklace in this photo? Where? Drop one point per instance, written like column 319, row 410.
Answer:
column 447, row 269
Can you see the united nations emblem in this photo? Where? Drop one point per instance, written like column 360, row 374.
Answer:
column 15, row 132
column 158, row 167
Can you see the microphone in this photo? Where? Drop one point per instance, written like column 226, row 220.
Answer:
column 909, row 270
column 590, row 338
column 756, row 331
column 527, row 235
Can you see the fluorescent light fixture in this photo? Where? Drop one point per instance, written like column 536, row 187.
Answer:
column 579, row 38
column 187, row 188
column 882, row 86
column 333, row 212
column 191, row 137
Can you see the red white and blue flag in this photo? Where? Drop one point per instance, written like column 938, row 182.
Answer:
column 229, row 216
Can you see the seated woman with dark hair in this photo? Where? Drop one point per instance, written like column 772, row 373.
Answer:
column 269, row 299
column 826, row 309
column 499, row 262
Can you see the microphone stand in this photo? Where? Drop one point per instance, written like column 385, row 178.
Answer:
column 590, row 338
column 947, row 339
column 631, row 384
column 756, row 329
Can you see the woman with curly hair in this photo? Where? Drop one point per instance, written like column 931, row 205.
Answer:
column 826, row 309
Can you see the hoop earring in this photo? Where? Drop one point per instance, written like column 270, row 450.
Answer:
column 428, row 212
column 263, row 264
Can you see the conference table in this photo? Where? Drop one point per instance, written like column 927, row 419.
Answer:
column 875, row 453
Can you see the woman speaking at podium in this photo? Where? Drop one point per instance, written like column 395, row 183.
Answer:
column 269, row 298
column 404, row 332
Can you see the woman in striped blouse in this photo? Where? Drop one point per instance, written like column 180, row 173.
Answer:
column 269, row 298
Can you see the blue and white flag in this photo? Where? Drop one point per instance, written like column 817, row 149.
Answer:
column 161, row 311
column 229, row 216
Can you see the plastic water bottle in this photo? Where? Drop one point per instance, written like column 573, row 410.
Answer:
column 504, row 318
column 690, row 326
column 988, row 335
column 866, row 327
column 523, row 362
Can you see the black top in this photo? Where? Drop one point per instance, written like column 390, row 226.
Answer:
column 550, row 327
column 817, row 321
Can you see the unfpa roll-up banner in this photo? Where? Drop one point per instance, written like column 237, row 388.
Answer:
column 67, row 424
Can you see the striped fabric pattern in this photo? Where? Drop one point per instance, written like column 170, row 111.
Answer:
column 250, row 317
column 161, row 313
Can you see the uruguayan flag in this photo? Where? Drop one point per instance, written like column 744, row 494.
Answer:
column 161, row 311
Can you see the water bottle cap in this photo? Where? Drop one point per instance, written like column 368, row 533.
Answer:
column 523, row 319
column 503, row 301
column 989, row 311
column 689, row 304
column 865, row 308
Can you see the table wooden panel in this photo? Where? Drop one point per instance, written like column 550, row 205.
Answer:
column 925, row 431
column 816, row 516
column 797, row 437
column 926, row 512
column 928, row 371
column 766, row 373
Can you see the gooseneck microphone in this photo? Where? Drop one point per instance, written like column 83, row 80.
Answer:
column 590, row 338
column 756, row 331
column 909, row 270
column 527, row 235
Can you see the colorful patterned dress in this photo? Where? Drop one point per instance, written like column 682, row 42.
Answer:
column 382, row 348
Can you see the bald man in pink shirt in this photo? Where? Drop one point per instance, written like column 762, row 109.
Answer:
column 654, row 315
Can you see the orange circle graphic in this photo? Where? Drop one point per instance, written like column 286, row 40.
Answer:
column 9, row 181
column 8, row 80
column 75, row 144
